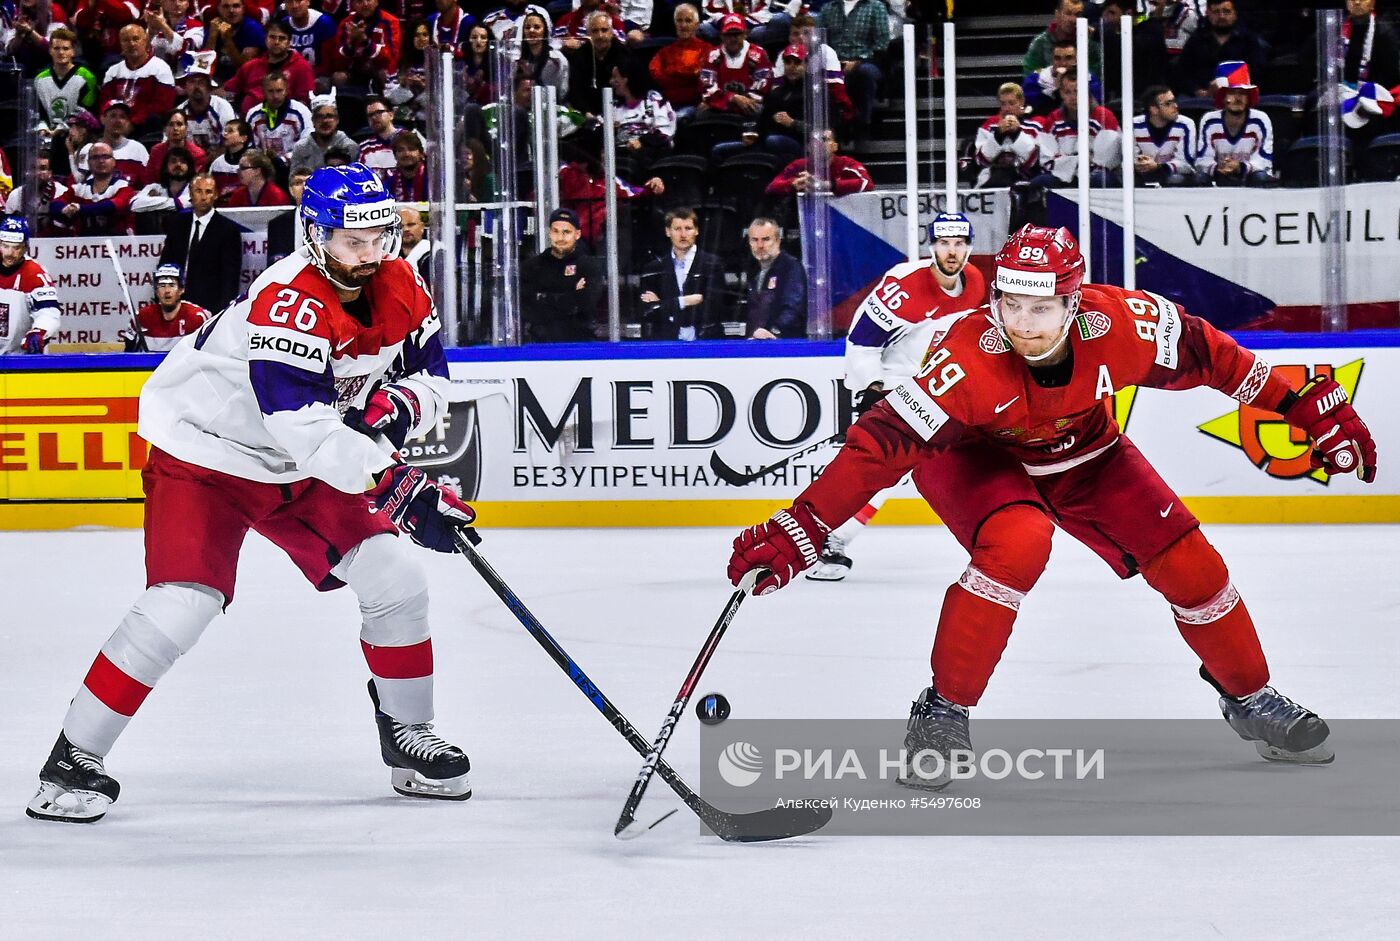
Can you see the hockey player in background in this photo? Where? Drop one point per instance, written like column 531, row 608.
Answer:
column 911, row 308
column 28, row 300
column 169, row 318
column 1007, row 430
column 263, row 421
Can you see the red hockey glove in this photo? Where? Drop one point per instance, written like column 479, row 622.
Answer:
column 391, row 411
column 1342, row 443
column 425, row 511
column 35, row 341
column 784, row 545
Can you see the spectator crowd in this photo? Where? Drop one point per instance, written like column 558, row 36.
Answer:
column 156, row 112
column 144, row 105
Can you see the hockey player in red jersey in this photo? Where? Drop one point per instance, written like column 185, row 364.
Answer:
column 912, row 307
column 28, row 300
column 169, row 318
column 269, row 419
column 1006, row 431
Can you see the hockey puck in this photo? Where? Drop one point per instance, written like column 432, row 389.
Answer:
column 712, row 709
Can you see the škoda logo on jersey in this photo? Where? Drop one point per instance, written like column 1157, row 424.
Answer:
column 1270, row 443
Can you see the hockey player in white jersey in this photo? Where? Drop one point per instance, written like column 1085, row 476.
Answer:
column 28, row 300
column 264, row 420
column 913, row 306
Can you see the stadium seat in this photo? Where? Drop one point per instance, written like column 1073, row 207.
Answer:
column 701, row 134
column 1286, row 115
column 741, row 180
column 684, row 176
column 1298, row 167
column 1195, row 108
column 1381, row 160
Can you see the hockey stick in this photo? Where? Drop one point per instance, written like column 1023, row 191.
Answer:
column 141, row 346
column 627, row 827
column 776, row 823
column 735, row 479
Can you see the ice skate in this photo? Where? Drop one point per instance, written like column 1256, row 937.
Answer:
column 420, row 763
column 1280, row 729
column 939, row 727
column 834, row 564
column 73, row 786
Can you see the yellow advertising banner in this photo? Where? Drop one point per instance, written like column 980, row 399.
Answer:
column 70, row 435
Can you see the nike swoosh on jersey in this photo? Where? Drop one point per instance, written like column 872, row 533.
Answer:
column 345, row 344
column 1005, row 405
column 1164, row 513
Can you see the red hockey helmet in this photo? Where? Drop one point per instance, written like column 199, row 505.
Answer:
column 1041, row 261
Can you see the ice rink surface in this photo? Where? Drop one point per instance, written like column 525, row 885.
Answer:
column 255, row 805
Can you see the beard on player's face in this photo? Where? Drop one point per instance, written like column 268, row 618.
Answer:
column 950, row 255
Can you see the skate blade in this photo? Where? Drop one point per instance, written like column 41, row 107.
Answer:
column 828, row 573
column 412, row 784
column 59, row 804
column 1317, row 755
column 922, row 783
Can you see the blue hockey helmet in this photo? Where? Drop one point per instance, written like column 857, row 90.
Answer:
column 947, row 225
column 14, row 230
column 169, row 272
column 348, row 197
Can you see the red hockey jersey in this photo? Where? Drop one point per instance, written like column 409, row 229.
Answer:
column 162, row 334
column 972, row 383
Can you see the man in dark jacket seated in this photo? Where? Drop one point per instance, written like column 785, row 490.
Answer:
column 560, row 287
column 683, row 292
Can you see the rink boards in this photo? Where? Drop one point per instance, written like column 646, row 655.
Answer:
column 623, row 435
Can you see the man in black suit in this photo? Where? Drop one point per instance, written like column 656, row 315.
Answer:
column 683, row 293
column 207, row 247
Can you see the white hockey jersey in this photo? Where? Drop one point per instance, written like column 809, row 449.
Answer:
column 1253, row 147
column 898, row 321
column 1177, row 148
column 259, row 391
column 27, row 300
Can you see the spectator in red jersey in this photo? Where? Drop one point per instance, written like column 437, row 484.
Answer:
column 408, row 181
column 172, row 30
column 845, row 175
column 169, row 318
column 675, row 69
column 735, row 76
column 246, row 87
column 131, row 156
column 176, row 135
column 255, row 176
column 236, row 37
column 98, row 22
column 591, row 66
column 365, row 47
column 583, row 189
column 101, row 204
column 140, row 79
